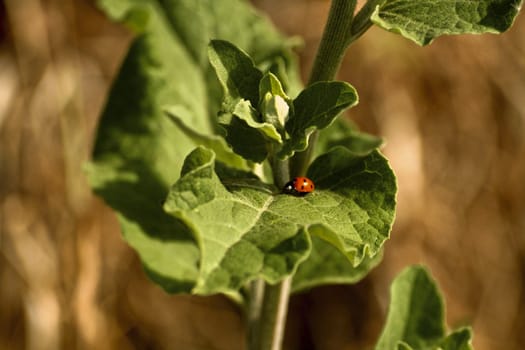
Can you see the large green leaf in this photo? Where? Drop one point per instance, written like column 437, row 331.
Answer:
column 247, row 229
column 135, row 158
column 139, row 151
column 239, row 237
column 196, row 22
column 358, row 202
column 416, row 319
column 424, row 20
column 326, row 264
column 165, row 245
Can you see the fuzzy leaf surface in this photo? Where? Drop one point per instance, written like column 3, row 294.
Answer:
column 315, row 108
column 139, row 151
column 357, row 195
column 246, row 230
column 416, row 318
column 424, row 20
column 239, row 235
column 326, row 264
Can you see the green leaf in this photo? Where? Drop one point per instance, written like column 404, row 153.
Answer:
column 139, row 151
column 135, row 159
column 275, row 111
column 289, row 79
column 274, row 104
column 198, row 21
column 245, row 134
column 161, row 241
column 457, row 340
column 416, row 316
column 181, row 117
column 246, row 141
column 315, row 108
column 240, row 81
column 271, row 84
column 327, row 265
column 236, row 71
column 357, row 195
column 403, row 346
column 244, row 111
column 424, row 20
column 248, row 229
column 240, row 238
column 133, row 12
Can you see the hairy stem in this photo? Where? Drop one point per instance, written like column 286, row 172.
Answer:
column 268, row 304
column 362, row 20
column 254, row 313
column 335, row 40
column 281, row 174
column 273, row 315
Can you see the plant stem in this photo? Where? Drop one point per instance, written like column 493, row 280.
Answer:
column 280, row 170
column 266, row 311
column 329, row 56
column 254, row 313
column 273, row 315
column 362, row 20
column 334, row 41
column 269, row 304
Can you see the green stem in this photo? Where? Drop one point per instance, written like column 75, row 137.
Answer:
column 362, row 20
column 266, row 313
column 280, row 169
column 273, row 315
column 335, row 40
column 254, row 313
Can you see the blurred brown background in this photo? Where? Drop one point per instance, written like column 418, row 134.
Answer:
column 453, row 114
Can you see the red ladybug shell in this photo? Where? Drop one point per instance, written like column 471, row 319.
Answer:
column 299, row 186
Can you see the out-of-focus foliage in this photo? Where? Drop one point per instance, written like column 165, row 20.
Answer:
column 416, row 316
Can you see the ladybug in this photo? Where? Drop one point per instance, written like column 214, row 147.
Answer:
column 299, row 186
